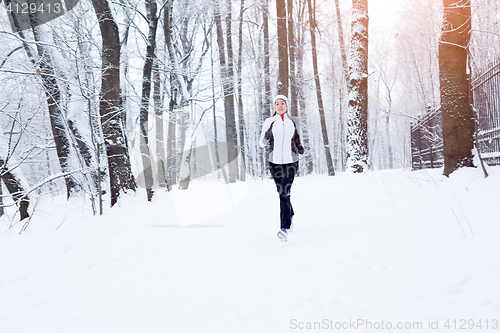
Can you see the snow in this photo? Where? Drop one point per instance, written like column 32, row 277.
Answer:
column 393, row 246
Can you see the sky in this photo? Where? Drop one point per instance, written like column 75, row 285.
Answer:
column 384, row 14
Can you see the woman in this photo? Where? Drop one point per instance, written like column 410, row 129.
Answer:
column 281, row 132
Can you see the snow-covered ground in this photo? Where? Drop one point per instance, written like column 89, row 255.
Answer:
column 369, row 252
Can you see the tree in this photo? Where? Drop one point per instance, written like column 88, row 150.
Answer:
column 282, row 47
column 53, row 94
column 417, row 50
column 357, row 122
column 241, row 117
column 15, row 188
column 267, row 100
column 231, row 132
column 227, row 88
column 343, row 87
column 319, row 96
column 384, row 73
column 456, row 113
column 300, row 81
column 291, row 46
column 57, row 120
column 176, row 83
column 110, row 107
column 267, row 70
column 146, row 91
column 160, row 141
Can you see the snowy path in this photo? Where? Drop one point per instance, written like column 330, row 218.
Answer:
column 392, row 246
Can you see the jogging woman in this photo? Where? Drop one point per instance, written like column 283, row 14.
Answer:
column 281, row 133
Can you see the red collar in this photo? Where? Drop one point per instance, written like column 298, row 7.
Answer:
column 282, row 117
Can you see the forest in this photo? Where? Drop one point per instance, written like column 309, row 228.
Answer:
column 137, row 193
column 108, row 97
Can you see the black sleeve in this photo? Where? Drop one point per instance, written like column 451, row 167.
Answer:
column 298, row 144
column 296, row 137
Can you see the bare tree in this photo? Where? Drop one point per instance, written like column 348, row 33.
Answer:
column 292, row 59
column 267, row 98
column 417, row 49
column 46, row 70
column 110, row 108
column 241, row 117
column 152, row 19
column 160, row 141
column 267, row 71
column 357, row 122
column 300, row 81
column 282, row 47
column 8, row 171
column 231, row 136
column 384, row 72
column 15, row 188
column 176, row 82
column 319, row 96
column 343, row 88
column 186, row 28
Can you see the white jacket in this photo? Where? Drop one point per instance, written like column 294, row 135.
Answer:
column 283, row 132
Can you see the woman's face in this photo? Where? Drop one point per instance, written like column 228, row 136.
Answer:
column 280, row 106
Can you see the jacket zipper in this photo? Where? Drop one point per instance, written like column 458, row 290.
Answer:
column 283, row 143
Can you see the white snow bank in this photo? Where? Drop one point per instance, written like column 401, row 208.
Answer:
column 392, row 246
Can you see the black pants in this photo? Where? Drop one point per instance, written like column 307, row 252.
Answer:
column 283, row 175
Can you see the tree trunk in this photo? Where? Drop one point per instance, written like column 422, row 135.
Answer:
column 185, row 168
column 57, row 120
column 267, row 68
column 81, row 148
column 389, row 157
column 87, row 88
column 167, row 30
column 160, row 141
column 267, row 102
column 231, row 132
column 319, row 96
column 13, row 185
column 343, row 88
column 308, row 157
column 282, row 47
column 231, row 137
column 357, row 122
column 53, row 94
column 241, row 117
column 110, row 108
column 218, row 164
column 146, row 92
column 182, row 157
column 456, row 113
column 175, row 84
column 291, row 46
column 171, row 141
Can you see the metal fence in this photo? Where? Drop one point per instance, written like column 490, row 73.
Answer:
column 427, row 140
column 426, row 133
column 486, row 94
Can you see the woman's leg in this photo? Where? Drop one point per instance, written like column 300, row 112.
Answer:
column 289, row 172
column 283, row 176
column 278, row 173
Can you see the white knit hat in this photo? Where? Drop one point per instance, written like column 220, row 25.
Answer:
column 283, row 97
